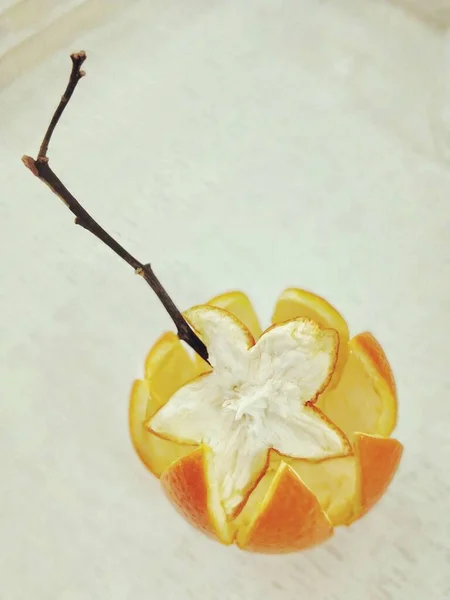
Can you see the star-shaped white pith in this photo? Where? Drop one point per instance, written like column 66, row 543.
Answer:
column 254, row 399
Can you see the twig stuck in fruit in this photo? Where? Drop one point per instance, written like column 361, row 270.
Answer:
column 41, row 169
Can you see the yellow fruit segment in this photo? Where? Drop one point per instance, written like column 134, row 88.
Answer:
column 365, row 399
column 239, row 305
column 295, row 302
column 289, row 517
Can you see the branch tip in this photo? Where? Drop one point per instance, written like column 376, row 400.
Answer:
column 78, row 57
column 30, row 164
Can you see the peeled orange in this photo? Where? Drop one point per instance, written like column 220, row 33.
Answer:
column 282, row 437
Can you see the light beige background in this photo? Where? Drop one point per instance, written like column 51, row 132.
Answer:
column 249, row 145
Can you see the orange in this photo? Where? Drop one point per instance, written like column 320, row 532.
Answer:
column 332, row 464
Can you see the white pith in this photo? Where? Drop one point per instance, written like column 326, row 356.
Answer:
column 254, row 399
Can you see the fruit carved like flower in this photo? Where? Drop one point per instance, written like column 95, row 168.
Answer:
column 283, row 437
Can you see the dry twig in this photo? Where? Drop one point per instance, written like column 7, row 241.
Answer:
column 41, row 169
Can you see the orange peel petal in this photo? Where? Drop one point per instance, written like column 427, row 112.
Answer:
column 168, row 367
column 378, row 460
column 295, row 302
column 155, row 452
column 239, row 305
column 158, row 352
column 365, row 399
column 188, row 485
column 346, row 445
column 375, row 358
column 333, row 481
column 205, row 320
column 289, row 518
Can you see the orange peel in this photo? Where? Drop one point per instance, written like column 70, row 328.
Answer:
column 365, row 399
column 304, row 523
column 189, row 486
column 285, row 437
column 378, row 459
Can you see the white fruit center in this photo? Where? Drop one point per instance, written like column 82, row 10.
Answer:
column 255, row 418
column 255, row 400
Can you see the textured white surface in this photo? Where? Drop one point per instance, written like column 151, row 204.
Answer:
column 435, row 12
column 235, row 145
